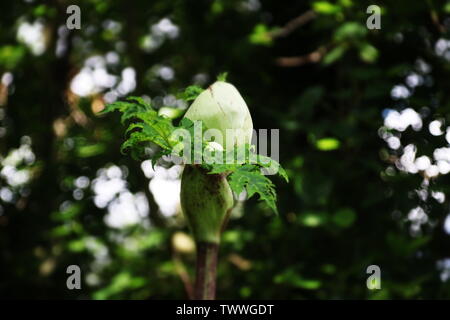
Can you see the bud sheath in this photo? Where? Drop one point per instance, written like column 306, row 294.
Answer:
column 206, row 200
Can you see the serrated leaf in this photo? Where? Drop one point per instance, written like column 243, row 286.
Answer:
column 140, row 101
column 191, row 93
column 135, row 139
column 128, row 109
column 267, row 162
column 255, row 183
column 283, row 173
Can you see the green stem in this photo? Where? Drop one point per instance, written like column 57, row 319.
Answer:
column 205, row 284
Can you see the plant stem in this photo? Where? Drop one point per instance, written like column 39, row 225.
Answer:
column 205, row 284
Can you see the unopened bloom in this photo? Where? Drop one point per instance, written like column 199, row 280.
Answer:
column 221, row 107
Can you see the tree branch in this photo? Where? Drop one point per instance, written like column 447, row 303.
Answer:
column 293, row 24
column 312, row 57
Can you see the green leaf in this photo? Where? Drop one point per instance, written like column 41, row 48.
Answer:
column 134, row 139
column 253, row 182
column 90, row 150
column 119, row 283
column 129, row 108
column 346, row 3
column 292, row 278
column 191, row 93
column 312, row 219
column 334, row 55
column 350, row 31
column 368, row 53
column 11, row 56
column 140, row 101
column 344, row 217
column 186, row 123
column 326, row 8
column 447, row 7
column 260, row 35
column 328, row 144
column 268, row 162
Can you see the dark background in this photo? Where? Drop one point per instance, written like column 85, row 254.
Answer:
column 328, row 83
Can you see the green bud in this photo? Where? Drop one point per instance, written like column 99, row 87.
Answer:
column 206, row 200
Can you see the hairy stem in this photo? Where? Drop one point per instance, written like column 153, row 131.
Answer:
column 205, row 284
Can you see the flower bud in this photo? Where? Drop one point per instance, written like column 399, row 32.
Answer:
column 221, row 107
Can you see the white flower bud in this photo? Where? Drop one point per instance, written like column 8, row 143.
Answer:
column 222, row 107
